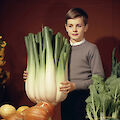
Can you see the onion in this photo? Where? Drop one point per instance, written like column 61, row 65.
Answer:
column 41, row 111
column 22, row 108
column 35, row 113
column 6, row 110
column 15, row 116
column 47, row 106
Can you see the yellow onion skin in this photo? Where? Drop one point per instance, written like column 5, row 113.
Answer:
column 16, row 116
column 6, row 110
column 22, row 108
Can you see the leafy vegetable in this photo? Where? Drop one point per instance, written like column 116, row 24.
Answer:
column 47, row 61
column 104, row 100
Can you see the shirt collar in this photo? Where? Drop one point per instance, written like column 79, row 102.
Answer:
column 77, row 43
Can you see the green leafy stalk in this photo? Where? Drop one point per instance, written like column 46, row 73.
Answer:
column 60, row 72
column 50, row 67
column 30, row 68
column 58, row 47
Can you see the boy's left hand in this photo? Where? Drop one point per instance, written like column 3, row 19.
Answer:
column 67, row 86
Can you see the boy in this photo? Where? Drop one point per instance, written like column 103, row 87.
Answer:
column 84, row 61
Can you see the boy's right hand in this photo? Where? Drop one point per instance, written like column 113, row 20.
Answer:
column 25, row 75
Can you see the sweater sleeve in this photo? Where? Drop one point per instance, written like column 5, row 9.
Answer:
column 82, row 85
column 95, row 63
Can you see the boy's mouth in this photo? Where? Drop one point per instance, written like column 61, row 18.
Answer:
column 74, row 34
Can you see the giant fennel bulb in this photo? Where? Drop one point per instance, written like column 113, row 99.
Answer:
column 47, row 64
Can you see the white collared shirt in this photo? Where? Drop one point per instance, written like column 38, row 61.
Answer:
column 77, row 43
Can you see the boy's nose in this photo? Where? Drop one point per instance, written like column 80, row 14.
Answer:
column 74, row 29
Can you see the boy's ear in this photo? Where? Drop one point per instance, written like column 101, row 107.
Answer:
column 86, row 28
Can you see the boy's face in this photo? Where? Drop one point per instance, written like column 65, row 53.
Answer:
column 76, row 29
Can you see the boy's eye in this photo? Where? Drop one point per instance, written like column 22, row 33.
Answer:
column 79, row 25
column 70, row 26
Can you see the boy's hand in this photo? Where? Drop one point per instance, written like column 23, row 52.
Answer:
column 25, row 75
column 67, row 86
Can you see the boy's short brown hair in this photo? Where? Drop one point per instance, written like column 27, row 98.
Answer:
column 76, row 12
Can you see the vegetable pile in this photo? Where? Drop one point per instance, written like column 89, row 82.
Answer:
column 104, row 100
column 40, row 111
column 47, row 66
column 9, row 112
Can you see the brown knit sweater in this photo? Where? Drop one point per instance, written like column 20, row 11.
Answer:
column 85, row 60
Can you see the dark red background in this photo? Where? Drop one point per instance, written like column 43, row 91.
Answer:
column 19, row 17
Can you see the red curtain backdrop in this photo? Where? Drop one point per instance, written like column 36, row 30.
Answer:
column 20, row 17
